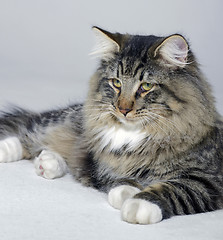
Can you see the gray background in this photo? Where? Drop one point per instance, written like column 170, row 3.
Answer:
column 44, row 44
column 44, row 62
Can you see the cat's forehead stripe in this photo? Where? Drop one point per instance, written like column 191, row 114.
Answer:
column 130, row 71
column 142, row 75
column 121, row 67
column 118, row 72
column 137, row 69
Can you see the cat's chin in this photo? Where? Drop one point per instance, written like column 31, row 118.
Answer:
column 129, row 122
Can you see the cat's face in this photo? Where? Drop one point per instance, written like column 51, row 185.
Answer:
column 144, row 81
column 135, row 97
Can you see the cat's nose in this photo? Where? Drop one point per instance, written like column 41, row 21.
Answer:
column 125, row 111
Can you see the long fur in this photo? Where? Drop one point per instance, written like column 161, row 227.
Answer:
column 165, row 141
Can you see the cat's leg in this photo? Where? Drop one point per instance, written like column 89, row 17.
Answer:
column 134, row 210
column 140, row 211
column 118, row 195
column 193, row 194
column 10, row 150
column 50, row 165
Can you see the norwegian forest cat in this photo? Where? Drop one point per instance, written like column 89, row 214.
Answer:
column 148, row 134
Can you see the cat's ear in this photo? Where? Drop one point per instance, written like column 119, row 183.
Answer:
column 106, row 43
column 173, row 51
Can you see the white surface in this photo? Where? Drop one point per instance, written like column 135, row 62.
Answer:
column 44, row 63
column 35, row 208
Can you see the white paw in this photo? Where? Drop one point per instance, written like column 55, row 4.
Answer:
column 10, row 150
column 140, row 211
column 118, row 195
column 50, row 165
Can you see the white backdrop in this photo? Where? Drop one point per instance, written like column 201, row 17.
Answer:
column 44, row 44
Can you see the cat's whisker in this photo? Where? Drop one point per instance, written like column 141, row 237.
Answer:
column 162, row 121
column 154, row 128
column 150, row 116
column 154, row 120
column 160, row 127
column 161, row 115
column 165, row 121
column 144, row 123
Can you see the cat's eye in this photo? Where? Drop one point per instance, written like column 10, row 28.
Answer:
column 146, row 86
column 116, row 83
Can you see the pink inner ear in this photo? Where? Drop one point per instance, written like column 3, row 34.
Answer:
column 174, row 51
column 181, row 43
column 181, row 48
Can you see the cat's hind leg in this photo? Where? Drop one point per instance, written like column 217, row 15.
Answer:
column 50, row 165
column 10, row 150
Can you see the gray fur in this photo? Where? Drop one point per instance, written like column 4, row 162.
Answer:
column 179, row 163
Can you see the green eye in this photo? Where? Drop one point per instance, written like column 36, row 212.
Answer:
column 116, row 83
column 146, row 86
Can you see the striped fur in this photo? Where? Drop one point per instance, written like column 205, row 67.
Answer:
column 149, row 122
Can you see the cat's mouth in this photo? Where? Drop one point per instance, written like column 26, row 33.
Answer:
column 131, row 117
column 139, row 118
column 127, row 118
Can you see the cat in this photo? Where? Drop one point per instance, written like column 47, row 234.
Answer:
column 148, row 133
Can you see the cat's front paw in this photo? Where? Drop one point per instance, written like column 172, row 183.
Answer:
column 118, row 195
column 139, row 211
column 50, row 165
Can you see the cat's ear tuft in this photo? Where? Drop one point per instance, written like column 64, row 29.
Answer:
column 173, row 51
column 106, row 43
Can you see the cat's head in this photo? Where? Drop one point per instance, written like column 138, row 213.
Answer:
column 148, row 82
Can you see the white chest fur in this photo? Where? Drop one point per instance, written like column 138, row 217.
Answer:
column 116, row 138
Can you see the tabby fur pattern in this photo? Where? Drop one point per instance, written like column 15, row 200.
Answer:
column 148, row 133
